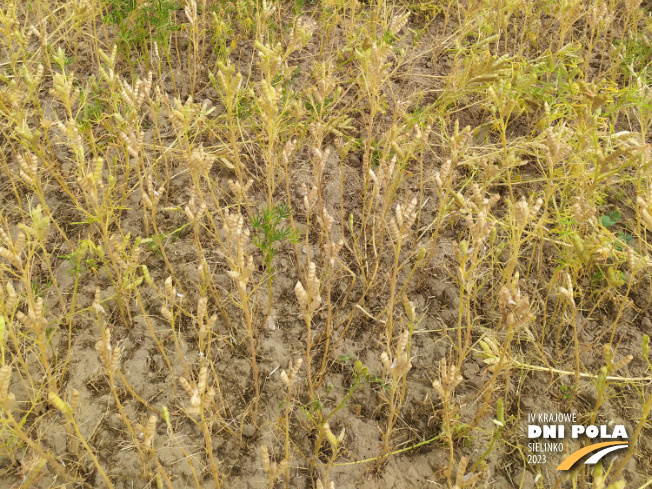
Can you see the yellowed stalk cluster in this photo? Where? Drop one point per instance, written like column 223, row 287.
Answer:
column 644, row 91
column 383, row 180
column 288, row 376
column 152, row 197
column 325, row 82
column 109, row 355
column 300, row 35
column 272, row 469
column 514, row 306
column 190, row 9
column 442, row 176
column 170, row 293
column 523, row 213
column 181, row 115
column 449, row 379
column 329, row 485
column 400, row 364
column 200, row 160
column 147, row 432
column 63, row 89
column 200, row 397
column 645, row 207
column 405, row 143
column 331, row 248
column 108, row 74
column 480, row 228
column 240, row 191
column 136, row 95
column 133, row 141
column 403, row 220
column 59, row 403
column 611, row 366
column 242, row 264
column 555, row 146
column 34, row 319
column 119, row 249
column 567, row 291
column 464, row 479
column 333, row 440
column 28, row 165
column 309, row 299
column 92, row 183
column 599, row 15
column 204, row 326
column 7, row 399
column 10, row 299
column 193, row 211
column 16, row 248
column 376, row 62
column 398, row 22
column 583, row 211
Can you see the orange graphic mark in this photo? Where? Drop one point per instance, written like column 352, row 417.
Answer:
column 575, row 456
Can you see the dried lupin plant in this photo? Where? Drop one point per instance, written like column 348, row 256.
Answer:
column 151, row 197
column 193, row 211
column 147, row 432
column 400, row 364
column 383, row 180
column 7, row 399
column 133, row 141
column 242, row 264
column 645, row 207
column 480, row 228
column 464, row 479
column 288, row 376
column 200, row 396
column 514, row 307
column 523, row 213
column 309, row 299
column 333, row 440
column 109, row 355
column 205, row 327
column 199, row 160
column 398, row 22
column 443, row 175
column 405, row 218
column 91, row 183
column 29, row 167
column 34, row 319
column 329, row 485
column 240, row 191
column 272, row 469
column 331, row 248
column 583, row 211
column 16, row 247
column 567, row 291
column 449, row 379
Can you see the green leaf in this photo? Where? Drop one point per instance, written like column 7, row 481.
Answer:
column 607, row 221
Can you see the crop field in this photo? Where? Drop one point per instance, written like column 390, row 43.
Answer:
column 331, row 244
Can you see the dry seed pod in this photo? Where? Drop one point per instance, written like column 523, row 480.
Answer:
column 170, row 290
column 272, row 469
column 59, row 403
column 400, row 365
column 150, row 431
column 5, row 377
column 288, row 377
column 309, row 300
column 449, row 379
